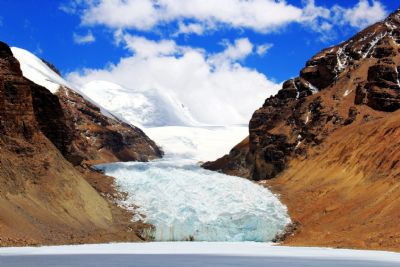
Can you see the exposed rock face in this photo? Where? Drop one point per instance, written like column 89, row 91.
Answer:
column 16, row 112
column 43, row 198
column 50, row 117
column 352, row 81
column 330, row 141
column 98, row 138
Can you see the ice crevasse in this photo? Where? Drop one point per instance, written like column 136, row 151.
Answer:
column 185, row 202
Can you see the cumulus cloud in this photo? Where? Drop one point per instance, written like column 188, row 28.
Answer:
column 362, row 14
column 237, row 51
column 216, row 88
column 84, row 39
column 143, row 47
column 258, row 15
column 190, row 28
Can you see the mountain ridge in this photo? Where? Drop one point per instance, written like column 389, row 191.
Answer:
column 351, row 90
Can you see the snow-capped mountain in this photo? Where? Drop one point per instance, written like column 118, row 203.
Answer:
column 148, row 108
column 97, row 135
column 143, row 108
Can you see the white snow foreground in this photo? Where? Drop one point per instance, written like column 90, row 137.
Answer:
column 193, row 254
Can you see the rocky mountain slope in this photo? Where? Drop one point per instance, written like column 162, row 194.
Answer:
column 330, row 140
column 47, row 192
column 94, row 135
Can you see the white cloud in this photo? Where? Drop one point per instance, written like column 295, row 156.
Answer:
column 190, row 28
column 203, row 15
column 216, row 88
column 143, row 47
column 139, row 14
column 362, row 14
column 261, row 50
column 84, row 39
column 259, row 15
column 237, row 51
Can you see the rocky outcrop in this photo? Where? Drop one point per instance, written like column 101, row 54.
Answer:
column 355, row 80
column 44, row 199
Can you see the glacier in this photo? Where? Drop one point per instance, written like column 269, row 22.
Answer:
column 186, row 202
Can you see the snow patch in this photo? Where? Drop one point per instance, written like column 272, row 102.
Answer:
column 373, row 43
column 390, row 25
column 397, row 72
column 298, row 144
column 37, row 71
column 312, row 88
column 295, row 86
column 341, row 58
column 347, row 92
column 308, row 117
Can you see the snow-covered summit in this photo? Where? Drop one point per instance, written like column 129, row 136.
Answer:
column 146, row 108
column 143, row 108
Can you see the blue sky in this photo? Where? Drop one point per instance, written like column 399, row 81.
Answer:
column 43, row 28
column 253, row 44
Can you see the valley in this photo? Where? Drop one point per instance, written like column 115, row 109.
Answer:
column 163, row 158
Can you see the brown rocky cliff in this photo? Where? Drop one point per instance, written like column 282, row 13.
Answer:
column 99, row 138
column 330, row 140
column 83, row 132
column 356, row 80
column 44, row 199
column 16, row 111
